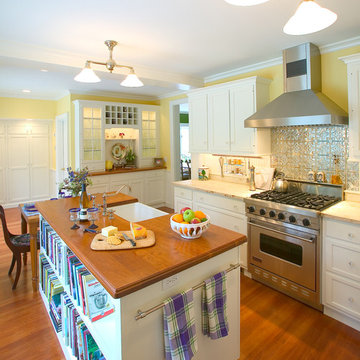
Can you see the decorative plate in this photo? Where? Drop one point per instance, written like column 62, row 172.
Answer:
column 118, row 151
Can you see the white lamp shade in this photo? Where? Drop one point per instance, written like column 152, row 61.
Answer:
column 132, row 81
column 309, row 18
column 245, row 2
column 87, row 75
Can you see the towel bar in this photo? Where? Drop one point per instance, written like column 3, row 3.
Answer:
column 142, row 314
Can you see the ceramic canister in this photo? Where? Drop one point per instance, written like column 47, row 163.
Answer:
column 203, row 173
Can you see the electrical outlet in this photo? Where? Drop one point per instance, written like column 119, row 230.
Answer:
column 170, row 282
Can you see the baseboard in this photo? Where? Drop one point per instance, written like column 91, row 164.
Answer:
column 343, row 318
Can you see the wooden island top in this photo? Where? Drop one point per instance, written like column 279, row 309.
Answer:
column 122, row 272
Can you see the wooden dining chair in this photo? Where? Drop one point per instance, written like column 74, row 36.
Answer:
column 18, row 244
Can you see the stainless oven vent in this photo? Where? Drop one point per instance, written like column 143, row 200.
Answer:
column 302, row 102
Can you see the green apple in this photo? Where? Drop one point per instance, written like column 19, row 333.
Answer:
column 188, row 215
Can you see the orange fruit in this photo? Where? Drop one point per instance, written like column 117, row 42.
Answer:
column 199, row 214
column 178, row 218
column 184, row 230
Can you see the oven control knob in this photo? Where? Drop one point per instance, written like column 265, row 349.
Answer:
column 251, row 209
column 272, row 213
column 262, row 212
column 281, row 216
column 306, row 222
column 292, row 218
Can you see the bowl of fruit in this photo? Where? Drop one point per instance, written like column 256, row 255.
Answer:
column 189, row 224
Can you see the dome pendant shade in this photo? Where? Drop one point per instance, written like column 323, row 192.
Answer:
column 132, row 81
column 246, row 2
column 87, row 75
column 309, row 18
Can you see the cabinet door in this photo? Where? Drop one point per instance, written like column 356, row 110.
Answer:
column 154, row 190
column 39, row 165
column 242, row 105
column 354, row 110
column 180, row 203
column 219, row 125
column 137, row 189
column 19, row 168
column 198, row 122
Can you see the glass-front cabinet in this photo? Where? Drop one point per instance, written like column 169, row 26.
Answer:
column 99, row 126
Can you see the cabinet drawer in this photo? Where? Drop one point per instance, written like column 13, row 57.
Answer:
column 343, row 294
column 343, row 230
column 220, row 201
column 342, row 259
column 183, row 193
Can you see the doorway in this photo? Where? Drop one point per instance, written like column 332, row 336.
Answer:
column 62, row 143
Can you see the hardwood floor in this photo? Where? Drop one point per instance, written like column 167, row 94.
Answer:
column 273, row 326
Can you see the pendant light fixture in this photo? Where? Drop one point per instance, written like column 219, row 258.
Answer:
column 245, row 2
column 88, row 75
column 309, row 17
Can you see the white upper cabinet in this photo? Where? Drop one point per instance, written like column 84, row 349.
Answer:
column 228, row 105
column 198, row 122
column 353, row 69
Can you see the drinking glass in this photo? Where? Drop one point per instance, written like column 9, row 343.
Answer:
column 74, row 214
column 111, row 214
column 93, row 215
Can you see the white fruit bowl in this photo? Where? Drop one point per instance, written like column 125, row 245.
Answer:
column 190, row 231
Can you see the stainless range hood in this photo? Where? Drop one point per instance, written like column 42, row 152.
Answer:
column 302, row 103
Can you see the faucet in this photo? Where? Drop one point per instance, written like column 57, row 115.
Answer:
column 104, row 196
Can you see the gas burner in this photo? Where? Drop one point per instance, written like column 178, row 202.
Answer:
column 300, row 199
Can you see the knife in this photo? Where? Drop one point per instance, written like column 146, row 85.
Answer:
column 91, row 231
column 133, row 243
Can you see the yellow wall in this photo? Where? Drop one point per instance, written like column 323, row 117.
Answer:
column 334, row 85
column 19, row 108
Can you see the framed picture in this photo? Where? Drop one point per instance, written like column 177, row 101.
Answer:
column 159, row 162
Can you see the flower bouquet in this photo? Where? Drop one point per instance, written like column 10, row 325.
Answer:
column 75, row 180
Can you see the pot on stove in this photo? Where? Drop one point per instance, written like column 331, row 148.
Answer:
column 281, row 185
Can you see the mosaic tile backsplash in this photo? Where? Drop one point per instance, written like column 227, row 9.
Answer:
column 296, row 150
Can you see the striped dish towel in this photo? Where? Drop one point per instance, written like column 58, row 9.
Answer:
column 179, row 327
column 213, row 302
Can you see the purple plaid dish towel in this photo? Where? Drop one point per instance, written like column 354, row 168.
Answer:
column 179, row 327
column 213, row 302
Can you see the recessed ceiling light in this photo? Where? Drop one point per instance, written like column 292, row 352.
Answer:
column 26, row 91
column 44, row 70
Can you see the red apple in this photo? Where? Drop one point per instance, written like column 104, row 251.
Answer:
column 195, row 221
column 184, row 209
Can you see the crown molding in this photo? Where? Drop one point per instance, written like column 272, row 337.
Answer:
column 115, row 95
column 173, row 94
column 26, row 96
column 340, row 45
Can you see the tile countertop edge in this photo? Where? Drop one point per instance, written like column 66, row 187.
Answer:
column 235, row 190
column 344, row 210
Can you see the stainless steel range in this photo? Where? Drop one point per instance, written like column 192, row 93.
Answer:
column 284, row 237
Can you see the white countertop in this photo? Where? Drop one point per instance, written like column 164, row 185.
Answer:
column 229, row 189
column 344, row 210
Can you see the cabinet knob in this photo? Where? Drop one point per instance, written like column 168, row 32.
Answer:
column 201, row 199
column 351, row 235
column 235, row 206
column 236, row 227
column 350, row 263
column 182, row 194
column 351, row 300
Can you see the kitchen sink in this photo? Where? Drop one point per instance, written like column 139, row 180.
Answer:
column 137, row 212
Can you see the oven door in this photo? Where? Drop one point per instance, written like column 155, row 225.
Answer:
column 288, row 253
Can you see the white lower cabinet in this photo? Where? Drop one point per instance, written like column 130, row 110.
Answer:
column 341, row 271
column 147, row 186
column 223, row 211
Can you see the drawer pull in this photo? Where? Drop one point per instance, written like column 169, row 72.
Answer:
column 350, row 263
column 351, row 300
column 351, row 235
column 235, row 206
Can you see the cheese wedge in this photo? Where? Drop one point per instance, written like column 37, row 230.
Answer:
column 109, row 231
column 138, row 231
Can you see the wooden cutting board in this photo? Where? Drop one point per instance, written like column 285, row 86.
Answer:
column 99, row 242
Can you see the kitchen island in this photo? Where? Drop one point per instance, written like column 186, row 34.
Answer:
column 143, row 278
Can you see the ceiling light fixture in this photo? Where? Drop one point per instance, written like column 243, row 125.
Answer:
column 309, row 17
column 88, row 75
column 245, row 2
column 26, row 91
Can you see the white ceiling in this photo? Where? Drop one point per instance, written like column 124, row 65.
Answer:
column 172, row 44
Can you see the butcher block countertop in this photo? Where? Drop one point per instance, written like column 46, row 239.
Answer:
column 122, row 272
column 124, row 171
column 344, row 210
column 229, row 189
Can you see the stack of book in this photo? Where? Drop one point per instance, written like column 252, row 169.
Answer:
column 88, row 293
column 76, row 335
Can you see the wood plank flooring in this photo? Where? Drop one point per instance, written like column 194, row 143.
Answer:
column 273, row 326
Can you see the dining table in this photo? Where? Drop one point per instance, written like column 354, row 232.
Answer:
column 30, row 223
